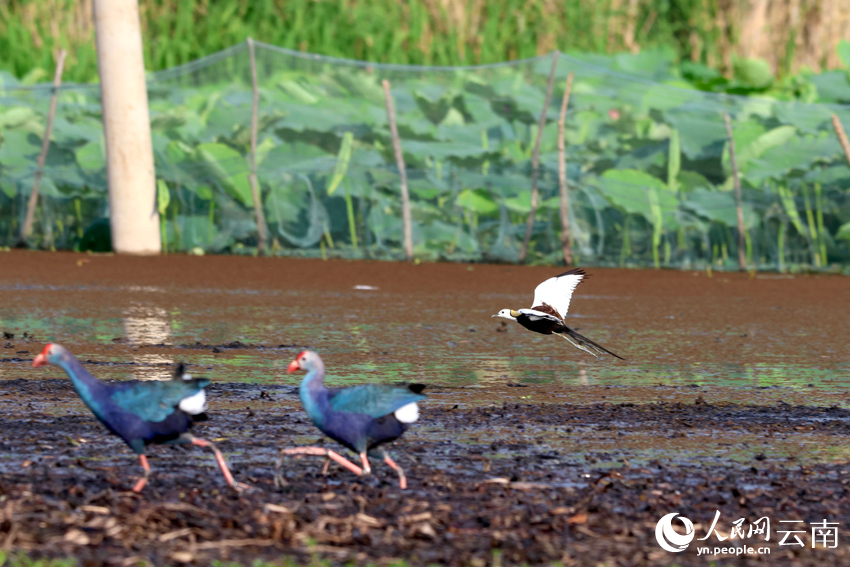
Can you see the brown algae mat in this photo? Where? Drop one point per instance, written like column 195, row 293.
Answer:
column 528, row 451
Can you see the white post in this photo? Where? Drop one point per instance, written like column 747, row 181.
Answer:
column 126, row 123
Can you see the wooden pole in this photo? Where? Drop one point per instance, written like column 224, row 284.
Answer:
column 535, row 160
column 566, row 238
column 133, row 214
column 252, row 177
column 842, row 137
column 26, row 230
column 406, row 218
column 742, row 259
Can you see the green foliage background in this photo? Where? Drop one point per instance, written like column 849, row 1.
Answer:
column 647, row 156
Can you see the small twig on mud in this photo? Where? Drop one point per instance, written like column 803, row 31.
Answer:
column 175, row 534
column 406, row 219
column 742, row 260
column 535, row 159
column 252, row 177
column 842, row 136
column 26, row 230
column 236, row 543
column 566, row 239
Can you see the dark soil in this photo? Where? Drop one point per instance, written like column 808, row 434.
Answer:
column 65, row 487
column 556, row 465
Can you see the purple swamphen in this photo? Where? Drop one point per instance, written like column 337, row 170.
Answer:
column 360, row 417
column 548, row 309
column 141, row 413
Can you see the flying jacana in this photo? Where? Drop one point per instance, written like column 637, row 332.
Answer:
column 548, row 309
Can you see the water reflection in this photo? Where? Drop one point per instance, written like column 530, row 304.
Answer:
column 148, row 325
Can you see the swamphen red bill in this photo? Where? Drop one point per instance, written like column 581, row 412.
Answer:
column 361, row 418
column 140, row 413
column 549, row 308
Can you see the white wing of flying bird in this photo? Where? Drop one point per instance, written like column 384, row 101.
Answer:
column 558, row 291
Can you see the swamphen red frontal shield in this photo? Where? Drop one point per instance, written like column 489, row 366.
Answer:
column 360, row 417
column 140, row 413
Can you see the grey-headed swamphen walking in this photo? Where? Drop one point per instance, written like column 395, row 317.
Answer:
column 361, row 418
column 141, row 413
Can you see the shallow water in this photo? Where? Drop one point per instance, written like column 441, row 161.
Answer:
column 733, row 336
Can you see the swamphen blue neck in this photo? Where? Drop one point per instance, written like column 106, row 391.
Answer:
column 312, row 390
column 88, row 387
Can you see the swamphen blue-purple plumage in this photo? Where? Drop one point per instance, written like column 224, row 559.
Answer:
column 360, row 417
column 140, row 413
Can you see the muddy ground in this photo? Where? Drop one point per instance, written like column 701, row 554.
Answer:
column 508, row 464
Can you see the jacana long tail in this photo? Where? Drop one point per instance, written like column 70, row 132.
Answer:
column 583, row 343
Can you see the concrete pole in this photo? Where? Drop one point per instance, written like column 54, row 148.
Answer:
column 126, row 123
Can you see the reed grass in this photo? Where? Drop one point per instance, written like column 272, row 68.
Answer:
column 430, row 32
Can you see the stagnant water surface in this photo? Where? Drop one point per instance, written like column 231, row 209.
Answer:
column 758, row 337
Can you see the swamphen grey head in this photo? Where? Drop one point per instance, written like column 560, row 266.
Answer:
column 307, row 360
column 52, row 354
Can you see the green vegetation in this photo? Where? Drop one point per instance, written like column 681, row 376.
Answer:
column 648, row 163
column 648, row 157
column 433, row 32
column 24, row 560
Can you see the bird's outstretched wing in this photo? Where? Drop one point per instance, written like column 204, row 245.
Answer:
column 375, row 400
column 583, row 343
column 155, row 400
column 557, row 291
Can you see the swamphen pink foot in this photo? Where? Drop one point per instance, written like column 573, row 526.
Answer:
column 361, row 418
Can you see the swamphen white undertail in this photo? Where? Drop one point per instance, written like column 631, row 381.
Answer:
column 141, row 413
column 360, row 417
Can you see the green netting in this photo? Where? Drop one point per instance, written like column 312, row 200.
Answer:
column 648, row 164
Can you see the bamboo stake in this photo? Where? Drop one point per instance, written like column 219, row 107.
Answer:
column 252, row 177
column 742, row 259
column 566, row 238
column 842, row 137
column 406, row 219
column 26, row 230
column 535, row 160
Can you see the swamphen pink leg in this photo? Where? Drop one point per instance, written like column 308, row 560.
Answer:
column 279, row 481
column 366, row 468
column 220, row 460
column 402, row 480
column 140, row 484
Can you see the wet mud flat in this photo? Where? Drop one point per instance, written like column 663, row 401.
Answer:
column 473, row 497
column 733, row 399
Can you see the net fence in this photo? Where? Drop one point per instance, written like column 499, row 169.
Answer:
column 648, row 164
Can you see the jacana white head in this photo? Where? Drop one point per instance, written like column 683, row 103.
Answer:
column 507, row 314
